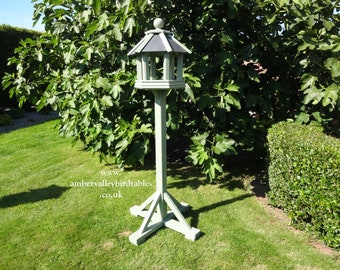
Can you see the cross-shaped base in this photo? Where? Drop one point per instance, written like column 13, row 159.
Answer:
column 155, row 217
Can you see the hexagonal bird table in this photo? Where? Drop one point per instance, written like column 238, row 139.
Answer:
column 159, row 69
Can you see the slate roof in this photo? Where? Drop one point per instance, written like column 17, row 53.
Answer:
column 159, row 40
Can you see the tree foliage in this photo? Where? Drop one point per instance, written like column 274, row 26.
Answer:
column 254, row 63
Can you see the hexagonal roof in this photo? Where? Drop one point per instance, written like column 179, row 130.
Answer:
column 159, row 40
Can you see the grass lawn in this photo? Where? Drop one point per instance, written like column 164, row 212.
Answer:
column 52, row 218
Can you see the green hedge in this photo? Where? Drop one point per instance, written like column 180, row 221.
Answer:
column 10, row 38
column 304, row 178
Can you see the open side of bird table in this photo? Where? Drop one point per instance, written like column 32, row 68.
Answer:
column 159, row 69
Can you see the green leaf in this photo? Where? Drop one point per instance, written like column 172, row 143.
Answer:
column 121, row 146
column 308, row 80
column 88, row 53
column 313, row 94
column 85, row 108
column 85, row 16
column 91, row 28
column 189, row 92
column 116, row 90
column 210, row 167
column 200, row 139
column 334, row 65
column 103, row 21
column 97, row 7
column 317, row 116
column 56, row 2
column 302, row 118
column 193, row 157
column 39, row 55
column 308, row 42
column 107, row 100
column 100, row 39
column 58, row 28
column 96, row 106
column 125, row 4
column 68, row 57
column 202, row 157
column 328, row 25
column 230, row 99
column 109, row 139
column 271, row 19
column 103, row 83
column 232, row 87
column 223, row 145
column 145, row 128
column 331, row 95
column 332, row 44
column 117, row 33
column 129, row 24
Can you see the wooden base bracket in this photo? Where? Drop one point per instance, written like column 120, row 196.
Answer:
column 155, row 218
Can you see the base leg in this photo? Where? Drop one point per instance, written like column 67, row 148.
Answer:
column 153, row 221
column 138, row 238
column 138, row 210
column 181, row 225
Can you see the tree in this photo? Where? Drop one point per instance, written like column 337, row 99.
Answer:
column 254, row 63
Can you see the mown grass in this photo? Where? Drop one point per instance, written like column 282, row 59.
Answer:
column 48, row 222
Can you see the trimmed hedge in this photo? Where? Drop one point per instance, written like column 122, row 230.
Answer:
column 304, row 178
column 10, row 38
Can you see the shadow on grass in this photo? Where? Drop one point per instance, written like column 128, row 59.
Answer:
column 188, row 176
column 196, row 213
column 239, row 171
column 34, row 195
column 185, row 176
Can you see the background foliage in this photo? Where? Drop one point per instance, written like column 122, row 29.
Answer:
column 10, row 38
column 304, row 178
column 254, row 63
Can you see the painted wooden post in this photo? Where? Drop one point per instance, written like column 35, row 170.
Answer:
column 180, row 67
column 139, row 68
column 145, row 67
column 155, row 209
column 160, row 137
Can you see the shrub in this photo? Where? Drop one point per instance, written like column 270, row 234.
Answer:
column 5, row 119
column 10, row 39
column 304, row 178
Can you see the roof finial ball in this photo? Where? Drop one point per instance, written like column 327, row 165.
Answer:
column 158, row 23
